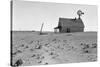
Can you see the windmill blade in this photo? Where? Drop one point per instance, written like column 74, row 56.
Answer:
column 82, row 13
column 79, row 13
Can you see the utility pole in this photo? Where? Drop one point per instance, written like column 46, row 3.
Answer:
column 41, row 28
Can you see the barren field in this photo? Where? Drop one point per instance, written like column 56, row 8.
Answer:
column 30, row 48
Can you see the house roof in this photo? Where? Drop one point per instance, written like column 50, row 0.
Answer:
column 70, row 22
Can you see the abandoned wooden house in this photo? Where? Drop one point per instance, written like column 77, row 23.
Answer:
column 67, row 25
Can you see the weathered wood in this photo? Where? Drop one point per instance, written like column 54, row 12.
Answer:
column 41, row 28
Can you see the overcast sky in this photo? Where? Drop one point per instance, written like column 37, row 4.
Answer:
column 29, row 15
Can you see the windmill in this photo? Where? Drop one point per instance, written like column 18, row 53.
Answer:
column 80, row 13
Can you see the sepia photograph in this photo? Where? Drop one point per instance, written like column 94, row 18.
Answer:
column 46, row 33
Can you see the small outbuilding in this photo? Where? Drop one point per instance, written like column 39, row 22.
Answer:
column 67, row 25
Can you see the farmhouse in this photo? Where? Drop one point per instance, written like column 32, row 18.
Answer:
column 67, row 25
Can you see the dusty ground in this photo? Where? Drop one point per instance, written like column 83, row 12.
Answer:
column 30, row 48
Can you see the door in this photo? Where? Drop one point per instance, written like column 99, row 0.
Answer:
column 68, row 30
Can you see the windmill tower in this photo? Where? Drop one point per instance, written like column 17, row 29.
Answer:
column 80, row 13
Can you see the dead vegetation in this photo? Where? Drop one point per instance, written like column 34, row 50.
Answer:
column 37, row 50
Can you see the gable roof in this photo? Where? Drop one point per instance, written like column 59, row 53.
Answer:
column 67, row 22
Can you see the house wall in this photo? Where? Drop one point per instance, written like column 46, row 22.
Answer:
column 77, row 29
column 72, row 29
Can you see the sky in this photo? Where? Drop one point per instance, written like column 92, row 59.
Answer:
column 29, row 15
